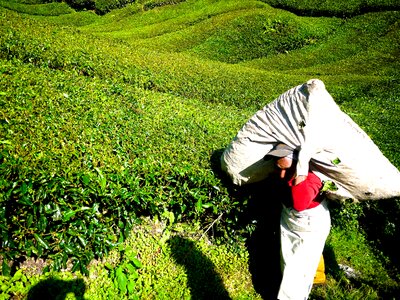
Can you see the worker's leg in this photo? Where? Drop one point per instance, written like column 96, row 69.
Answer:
column 303, row 236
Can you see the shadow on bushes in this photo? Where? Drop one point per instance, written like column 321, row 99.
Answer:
column 204, row 282
column 381, row 223
column 331, row 264
column 263, row 244
column 53, row 288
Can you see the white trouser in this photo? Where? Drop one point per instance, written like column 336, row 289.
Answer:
column 303, row 236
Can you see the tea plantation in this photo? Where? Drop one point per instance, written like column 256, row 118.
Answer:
column 113, row 116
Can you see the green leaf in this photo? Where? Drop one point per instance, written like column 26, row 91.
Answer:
column 95, row 208
column 136, row 262
column 68, row 215
column 199, row 205
column 24, row 188
column 102, row 180
column 336, row 161
column 103, row 183
column 85, row 179
column 134, row 275
column 121, row 279
column 130, row 268
column 82, row 240
column 40, row 241
column 42, row 223
column 17, row 276
column 121, row 224
column 24, row 200
column 29, row 221
column 76, row 266
column 131, row 286
column 6, row 270
column 108, row 266
column 329, row 186
column 84, row 269
column 129, row 254
column 207, row 205
column 57, row 214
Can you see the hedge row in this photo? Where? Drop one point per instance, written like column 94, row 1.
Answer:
column 82, row 158
column 343, row 9
column 87, row 146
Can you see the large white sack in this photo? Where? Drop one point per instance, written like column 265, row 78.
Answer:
column 329, row 142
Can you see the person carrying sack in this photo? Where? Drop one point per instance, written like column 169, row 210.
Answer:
column 304, row 225
column 318, row 142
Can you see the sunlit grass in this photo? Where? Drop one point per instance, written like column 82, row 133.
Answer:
column 133, row 104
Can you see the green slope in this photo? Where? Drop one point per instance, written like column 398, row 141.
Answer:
column 105, row 119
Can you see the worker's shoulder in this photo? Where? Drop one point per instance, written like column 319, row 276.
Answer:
column 312, row 178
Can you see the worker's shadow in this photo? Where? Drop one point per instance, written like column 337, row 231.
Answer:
column 204, row 282
column 263, row 244
column 52, row 288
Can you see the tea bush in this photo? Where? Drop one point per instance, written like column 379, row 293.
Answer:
column 107, row 119
column 161, row 253
column 70, row 183
column 334, row 8
column 42, row 8
column 82, row 4
column 262, row 33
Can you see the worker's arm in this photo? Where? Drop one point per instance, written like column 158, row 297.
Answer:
column 305, row 192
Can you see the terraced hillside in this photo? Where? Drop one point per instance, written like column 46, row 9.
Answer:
column 114, row 113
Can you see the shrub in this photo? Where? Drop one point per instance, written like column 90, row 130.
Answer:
column 81, row 4
column 335, row 8
column 73, row 189
column 41, row 8
column 99, row 128
column 105, row 6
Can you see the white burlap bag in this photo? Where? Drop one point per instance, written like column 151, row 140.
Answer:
column 330, row 143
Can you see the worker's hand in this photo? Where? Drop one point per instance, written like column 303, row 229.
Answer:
column 299, row 179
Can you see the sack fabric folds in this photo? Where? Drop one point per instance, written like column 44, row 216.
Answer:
column 329, row 142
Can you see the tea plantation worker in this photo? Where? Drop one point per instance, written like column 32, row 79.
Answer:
column 304, row 225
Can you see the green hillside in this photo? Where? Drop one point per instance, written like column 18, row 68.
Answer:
column 112, row 117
